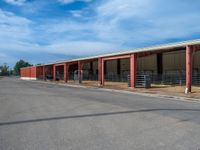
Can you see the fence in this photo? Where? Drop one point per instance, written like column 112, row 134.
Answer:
column 59, row 76
column 178, row 78
column 85, row 75
column 88, row 75
column 167, row 78
column 114, row 77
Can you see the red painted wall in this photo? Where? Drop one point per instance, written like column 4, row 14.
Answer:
column 33, row 72
column 25, row 72
column 29, row 72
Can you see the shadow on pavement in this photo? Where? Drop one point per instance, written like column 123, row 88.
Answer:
column 92, row 115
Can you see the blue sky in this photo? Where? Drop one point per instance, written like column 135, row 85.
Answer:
column 41, row 31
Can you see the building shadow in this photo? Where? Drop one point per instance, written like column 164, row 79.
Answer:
column 93, row 115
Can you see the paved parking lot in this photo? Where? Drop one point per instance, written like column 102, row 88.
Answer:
column 40, row 116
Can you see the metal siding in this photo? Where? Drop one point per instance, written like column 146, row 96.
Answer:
column 95, row 67
column 125, row 65
column 197, row 60
column 148, row 63
column 111, row 66
column 23, row 72
column 39, row 71
column 174, row 61
column 33, row 72
column 29, row 72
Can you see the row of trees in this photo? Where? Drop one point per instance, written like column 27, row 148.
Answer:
column 6, row 71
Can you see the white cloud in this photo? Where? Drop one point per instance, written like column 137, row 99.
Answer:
column 81, row 48
column 15, row 2
column 18, row 35
column 15, row 32
column 115, row 25
column 76, row 13
column 72, row 1
column 124, row 9
column 128, row 24
column 11, row 18
column 13, row 27
column 2, row 55
column 136, row 21
column 64, row 26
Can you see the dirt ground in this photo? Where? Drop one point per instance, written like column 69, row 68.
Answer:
column 155, row 89
column 172, row 90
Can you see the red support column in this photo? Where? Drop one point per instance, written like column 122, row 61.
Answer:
column 99, row 71
column 54, row 72
column 189, row 59
column 133, row 69
column 44, row 76
column 65, row 72
column 102, row 72
column 80, row 65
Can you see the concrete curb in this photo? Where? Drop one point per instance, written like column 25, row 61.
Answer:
column 171, row 97
column 154, row 95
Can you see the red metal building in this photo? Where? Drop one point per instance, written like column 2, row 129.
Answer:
column 64, row 69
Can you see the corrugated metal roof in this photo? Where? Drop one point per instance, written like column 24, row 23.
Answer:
column 137, row 50
column 28, row 67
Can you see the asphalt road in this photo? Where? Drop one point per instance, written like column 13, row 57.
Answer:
column 40, row 116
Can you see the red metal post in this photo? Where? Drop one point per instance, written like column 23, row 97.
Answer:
column 54, row 72
column 99, row 71
column 65, row 72
column 102, row 72
column 44, row 76
column 133, row 69
column 80, row 65
column 189, row 59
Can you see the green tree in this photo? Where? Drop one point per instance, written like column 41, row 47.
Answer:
column 4, row 70
column 20, row 64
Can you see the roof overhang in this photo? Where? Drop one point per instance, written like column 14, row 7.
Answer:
column 160, row 48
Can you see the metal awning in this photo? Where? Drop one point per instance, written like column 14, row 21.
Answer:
column 162, row 47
